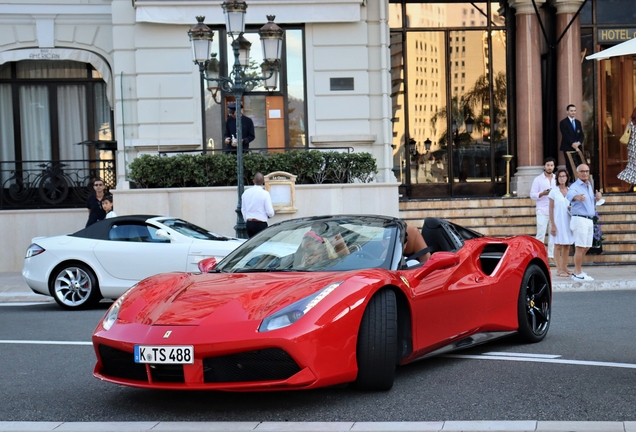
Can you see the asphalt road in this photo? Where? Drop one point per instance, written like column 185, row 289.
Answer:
column 585, row 370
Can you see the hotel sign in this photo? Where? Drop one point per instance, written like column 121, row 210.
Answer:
column 616, row 35
column 44, row 54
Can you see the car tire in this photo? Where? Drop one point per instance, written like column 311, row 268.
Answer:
column 535, row 305
column 74, row 286
column 377, row 343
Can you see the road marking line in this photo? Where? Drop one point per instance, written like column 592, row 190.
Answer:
column 36, row 342
column 25, row 303
column 514, row 354
column 544, row 360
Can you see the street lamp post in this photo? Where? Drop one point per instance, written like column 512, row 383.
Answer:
column 427, row 145
column 414, row 158
column 201, row 50
column 468, row 123
column 236, row 83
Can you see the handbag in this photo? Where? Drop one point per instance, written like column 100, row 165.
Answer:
column 625, row 138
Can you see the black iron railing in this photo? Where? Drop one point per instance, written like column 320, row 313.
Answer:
column 261, row 150
column 52, row 184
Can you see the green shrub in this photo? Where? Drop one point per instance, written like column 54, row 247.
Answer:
column 362, row 167
column 253, row 163
column 310, row 167
column 185, row 170
column 219, row 169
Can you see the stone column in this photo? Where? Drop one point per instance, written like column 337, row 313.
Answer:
column 125, row 63
column 569, row 76
column 529, row 104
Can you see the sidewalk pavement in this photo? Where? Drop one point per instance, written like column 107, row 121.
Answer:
column 14, row 289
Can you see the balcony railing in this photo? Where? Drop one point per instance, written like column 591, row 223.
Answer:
column 52, row 184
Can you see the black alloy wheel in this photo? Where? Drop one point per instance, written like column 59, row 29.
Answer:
column 535, row 305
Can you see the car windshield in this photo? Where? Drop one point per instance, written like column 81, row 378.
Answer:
column 190, row 230
column 317, row 244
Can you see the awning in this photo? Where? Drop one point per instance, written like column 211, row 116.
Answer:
column 623, row 48
column 95, row 60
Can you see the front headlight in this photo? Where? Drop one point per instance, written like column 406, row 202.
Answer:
column 113, row 312
column 292, row 313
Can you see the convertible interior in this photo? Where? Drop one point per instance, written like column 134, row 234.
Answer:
column 442, row 235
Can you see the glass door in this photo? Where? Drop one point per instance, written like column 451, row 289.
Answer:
column 448, row 64
column 426, row 121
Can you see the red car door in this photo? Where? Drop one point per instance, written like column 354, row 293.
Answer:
column 448, row 304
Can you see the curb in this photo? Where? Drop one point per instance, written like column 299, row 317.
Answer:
column 434, row 426
column 613, row 285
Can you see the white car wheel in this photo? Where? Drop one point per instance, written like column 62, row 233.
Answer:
column 75, row 287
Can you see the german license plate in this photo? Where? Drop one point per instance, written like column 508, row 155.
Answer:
column 164, row 354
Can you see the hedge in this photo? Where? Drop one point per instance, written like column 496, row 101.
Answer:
column 192, row 170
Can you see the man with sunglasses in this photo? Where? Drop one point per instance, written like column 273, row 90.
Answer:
column 94, row 203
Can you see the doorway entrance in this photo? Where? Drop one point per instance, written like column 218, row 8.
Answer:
column 449, row 98
column 617, row 96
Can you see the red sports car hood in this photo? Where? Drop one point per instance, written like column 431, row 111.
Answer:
column 194, row 299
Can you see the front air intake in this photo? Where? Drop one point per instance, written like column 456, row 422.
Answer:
column 262, row 365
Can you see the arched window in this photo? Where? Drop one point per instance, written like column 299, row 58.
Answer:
column 47, row 108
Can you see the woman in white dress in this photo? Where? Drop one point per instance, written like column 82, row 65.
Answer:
column 560, row 222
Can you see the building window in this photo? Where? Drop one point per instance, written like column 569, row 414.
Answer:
column 60, row 104
column 279, row 116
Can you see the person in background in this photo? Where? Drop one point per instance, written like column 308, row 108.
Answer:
column 94, row 203
column 247, row 128
column 107, row 205
column 571, row 136
column 256, row 206
column 414, row 243
column 331, row 233
column 583, row 208
column 629, row 173
column 539, row 191
column 313, row 249
column 560, row 231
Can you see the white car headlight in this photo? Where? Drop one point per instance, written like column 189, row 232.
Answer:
column 113, row 312
column 292, row 313
column 33, row 250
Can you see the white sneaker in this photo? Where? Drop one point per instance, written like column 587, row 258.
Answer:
column 582, row 278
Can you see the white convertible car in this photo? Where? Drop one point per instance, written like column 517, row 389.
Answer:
column 110, row 256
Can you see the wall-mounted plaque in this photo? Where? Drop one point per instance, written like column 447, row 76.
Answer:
column 341, row 84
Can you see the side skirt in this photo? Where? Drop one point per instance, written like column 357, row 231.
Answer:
column 468, row 342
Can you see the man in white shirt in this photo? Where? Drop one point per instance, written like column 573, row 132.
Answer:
column 539, row 191
column 256, row 206
column 583, row 200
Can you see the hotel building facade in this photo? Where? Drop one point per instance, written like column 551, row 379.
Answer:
column 437, row 92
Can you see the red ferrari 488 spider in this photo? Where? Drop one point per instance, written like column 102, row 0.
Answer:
column 321, row 301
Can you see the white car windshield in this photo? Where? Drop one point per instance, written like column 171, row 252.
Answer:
column 317, row 244
column 190, row 230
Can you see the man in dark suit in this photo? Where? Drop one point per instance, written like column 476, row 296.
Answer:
column 247, row 128
column 572, row 138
